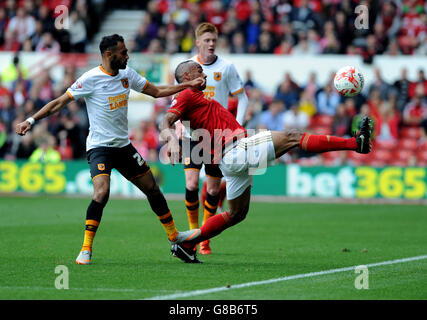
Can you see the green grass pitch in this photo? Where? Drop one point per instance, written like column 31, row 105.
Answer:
column 132, row 256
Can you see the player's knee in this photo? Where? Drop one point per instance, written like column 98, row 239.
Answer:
column 101, row 194
column 293, row 135
column 213, row 189
column 192, row 183
column 239, row 215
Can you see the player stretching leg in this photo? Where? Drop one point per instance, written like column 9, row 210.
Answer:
column 236, row 153
column 222, row 80
column 106, row 91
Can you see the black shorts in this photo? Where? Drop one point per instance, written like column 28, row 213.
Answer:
column 212, row 170
column 125, row 160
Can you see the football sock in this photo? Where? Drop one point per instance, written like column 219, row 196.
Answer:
column 93, row 218
column 323, row 143
column 209, row 207
column 160, row 207
column 169, row 224
column 212, row 227
column 192, row 204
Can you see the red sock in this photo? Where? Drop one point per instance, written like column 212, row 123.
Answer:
column 211, row 228
column 322, row 143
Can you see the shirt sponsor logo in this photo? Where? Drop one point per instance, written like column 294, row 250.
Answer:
column 118, row 101
column 101, row 166
column 209, row 92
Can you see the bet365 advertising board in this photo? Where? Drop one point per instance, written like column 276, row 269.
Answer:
column 281, row 180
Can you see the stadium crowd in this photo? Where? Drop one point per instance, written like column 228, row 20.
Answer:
column 399, row 109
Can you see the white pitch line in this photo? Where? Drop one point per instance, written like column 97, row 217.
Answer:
column 287, row 278
column 80, row 289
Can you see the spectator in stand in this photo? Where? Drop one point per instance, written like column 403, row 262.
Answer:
column 295, row 119
column 22, row 25
column 141, row 39
column 48, row 44
column 393, row 48
column 416, row 110
column 7, row 112
column 341, row 122
column 46, row 152
column 402, row 89
column 389, row 119
column 272, row 119
column 380, row 84
column 306, row 105
column 285, row 47
column 329, row 42
column 286, row 93
column 265, row 43
column 328, row 100
column 304, row 46
column 77, row 30
column 25, row 147
column 46, row 19
column 421, row 81
column 253, row 30
column 4, row 20
column 303, row 16
column 10, row 42
column 217, row 14
column 343, row 31
column 179, row 14
column 238, row 44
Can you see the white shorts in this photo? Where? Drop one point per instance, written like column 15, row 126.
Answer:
column 249, row 156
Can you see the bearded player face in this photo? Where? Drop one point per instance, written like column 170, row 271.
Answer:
column 119, row 57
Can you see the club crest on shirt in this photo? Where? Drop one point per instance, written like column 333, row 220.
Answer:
column 101, row 166
column 217, row 76
column 125, row 83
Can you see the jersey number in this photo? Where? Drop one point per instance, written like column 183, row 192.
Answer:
column 139, row 159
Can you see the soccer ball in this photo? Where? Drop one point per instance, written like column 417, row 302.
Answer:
column 349, row 81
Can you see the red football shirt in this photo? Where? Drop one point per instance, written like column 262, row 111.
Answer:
column 191, row 105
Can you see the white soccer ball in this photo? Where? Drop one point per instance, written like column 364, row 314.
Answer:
column 349, row 81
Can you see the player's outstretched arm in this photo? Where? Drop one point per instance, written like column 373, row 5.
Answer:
column 168, row 90
column 50, row 108
column 167, row 133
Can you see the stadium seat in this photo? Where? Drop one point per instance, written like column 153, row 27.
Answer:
column 410, row 132
column 323, row 120
column 377, row 162
column 323, row 130
column 422, row 155
column 359, row 158
column 398, row 163
column 408, row 144
column 382, row 155
column 385, row 144
column 402, row 155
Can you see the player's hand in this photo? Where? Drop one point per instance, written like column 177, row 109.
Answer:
column 198, row 83
column 22, row 128
column 174, row 152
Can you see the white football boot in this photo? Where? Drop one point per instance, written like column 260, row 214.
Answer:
column 84, row 257
column 184, row 236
